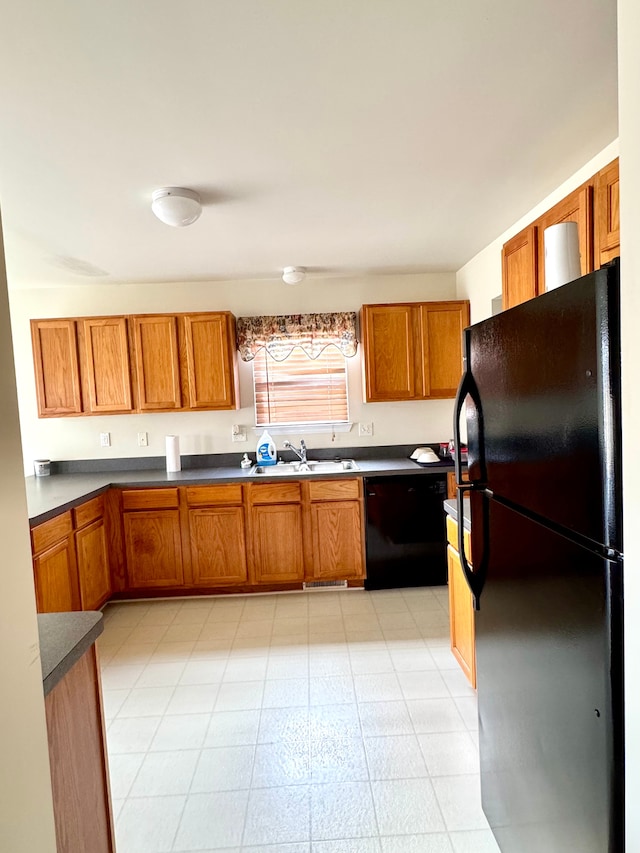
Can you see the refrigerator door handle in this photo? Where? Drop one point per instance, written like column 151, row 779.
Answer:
column 468, row 388
column 475, row 577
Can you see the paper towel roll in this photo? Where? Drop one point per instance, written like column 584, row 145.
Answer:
column 561, row 254
column 173, row 453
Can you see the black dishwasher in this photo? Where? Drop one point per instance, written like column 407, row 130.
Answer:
column 406, row 534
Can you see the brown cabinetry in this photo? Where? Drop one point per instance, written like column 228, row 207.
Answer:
column 520, row 268
column 155, row 357
column 461, row 613
column 105, row 365
column 606, row 206
column 145, row 363
column 152, row 538
column 78, row 761
column 55, row 359
column 595, row 207
column 217, row 536
column 276, row 532
column 54, row 565
column 209, row 365
column 412, row 351
column 576, row 207
column 93, row 565
column 335, row 521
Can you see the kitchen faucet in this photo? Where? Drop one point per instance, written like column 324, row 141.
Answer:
column 301, row 454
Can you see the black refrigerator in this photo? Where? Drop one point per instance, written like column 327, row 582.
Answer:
column 542, row 392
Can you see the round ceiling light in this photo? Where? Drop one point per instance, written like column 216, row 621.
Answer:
column 293, row 275
column 176, row 206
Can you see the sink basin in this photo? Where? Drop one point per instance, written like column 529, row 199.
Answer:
column 297, row 469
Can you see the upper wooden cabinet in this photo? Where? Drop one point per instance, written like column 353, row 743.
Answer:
column 606, row 205
column 595, row 206
column 210, row 366
column 155, row 357
column 105, row 364
column 412, row 351
column 576, row 207
column 520, row 267
column 88, row 365
column 55, row 359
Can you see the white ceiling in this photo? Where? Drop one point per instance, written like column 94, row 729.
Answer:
column 343, row 135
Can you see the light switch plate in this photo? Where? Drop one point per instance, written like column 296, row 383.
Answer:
column 105, row 439
column 365, row 429
column 143, row 439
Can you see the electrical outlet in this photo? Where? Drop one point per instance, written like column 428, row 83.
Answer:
column 105, row 439
column 143, row 439
column 237, row 433
column 365, row 429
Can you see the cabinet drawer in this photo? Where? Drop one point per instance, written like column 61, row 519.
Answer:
column 88, row 511
column 275, row 493
column 150, row 499
column 452, row 537
column 334, row 490
column 45, row 535
column 209, row 495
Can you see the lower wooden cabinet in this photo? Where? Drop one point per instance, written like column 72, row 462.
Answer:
column 55, row 577
column 78, row 761
column 218, row 551
column 461, row 612
column 278, row 555
column 93, row 565
column 336, row 532
column 153, row 547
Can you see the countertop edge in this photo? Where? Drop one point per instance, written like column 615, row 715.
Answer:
column 83, row 487
column 64, row 638
column 451, row 508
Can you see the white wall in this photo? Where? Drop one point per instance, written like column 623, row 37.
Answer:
column 629, row 98
column 210, row 432
column 481, row 278
column 26, row 811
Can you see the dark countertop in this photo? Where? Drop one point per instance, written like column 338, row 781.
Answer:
column 49, row 496
column 451, row 508
column 64, row 638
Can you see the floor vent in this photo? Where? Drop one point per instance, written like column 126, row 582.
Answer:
column 324, row 585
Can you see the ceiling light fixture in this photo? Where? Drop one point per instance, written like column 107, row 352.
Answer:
column 176, row 206
column 293, row 275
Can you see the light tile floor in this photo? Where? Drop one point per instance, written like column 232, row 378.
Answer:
column 321, row 722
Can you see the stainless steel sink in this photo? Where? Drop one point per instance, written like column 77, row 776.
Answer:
column 300, row 469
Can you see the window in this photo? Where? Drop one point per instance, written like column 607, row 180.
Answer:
column 300, row 389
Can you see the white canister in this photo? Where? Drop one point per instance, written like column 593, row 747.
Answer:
column 173, row 454
column 42, row 467
column 561, row 254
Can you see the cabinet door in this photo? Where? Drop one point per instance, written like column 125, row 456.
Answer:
column 56, row 578
column 218, row 551
column 390, row 340
column 441, row 326
column 105, row 359
column 520, row 268
column 277, row 543
column 210, row 361
column 55, row 361
column 156, row 363
column 337, row 540
column 153, row 546
column 461, row 617
column 577, row 207
column 606, row 206
column 93, row 566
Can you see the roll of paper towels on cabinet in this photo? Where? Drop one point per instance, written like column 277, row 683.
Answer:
column 561, row 254
column 173, row 454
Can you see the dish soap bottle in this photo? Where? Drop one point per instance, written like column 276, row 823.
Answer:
column 265, row 450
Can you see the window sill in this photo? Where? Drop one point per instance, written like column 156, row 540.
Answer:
column 304, row 429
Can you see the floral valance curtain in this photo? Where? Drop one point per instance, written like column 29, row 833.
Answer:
column 279, row 335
